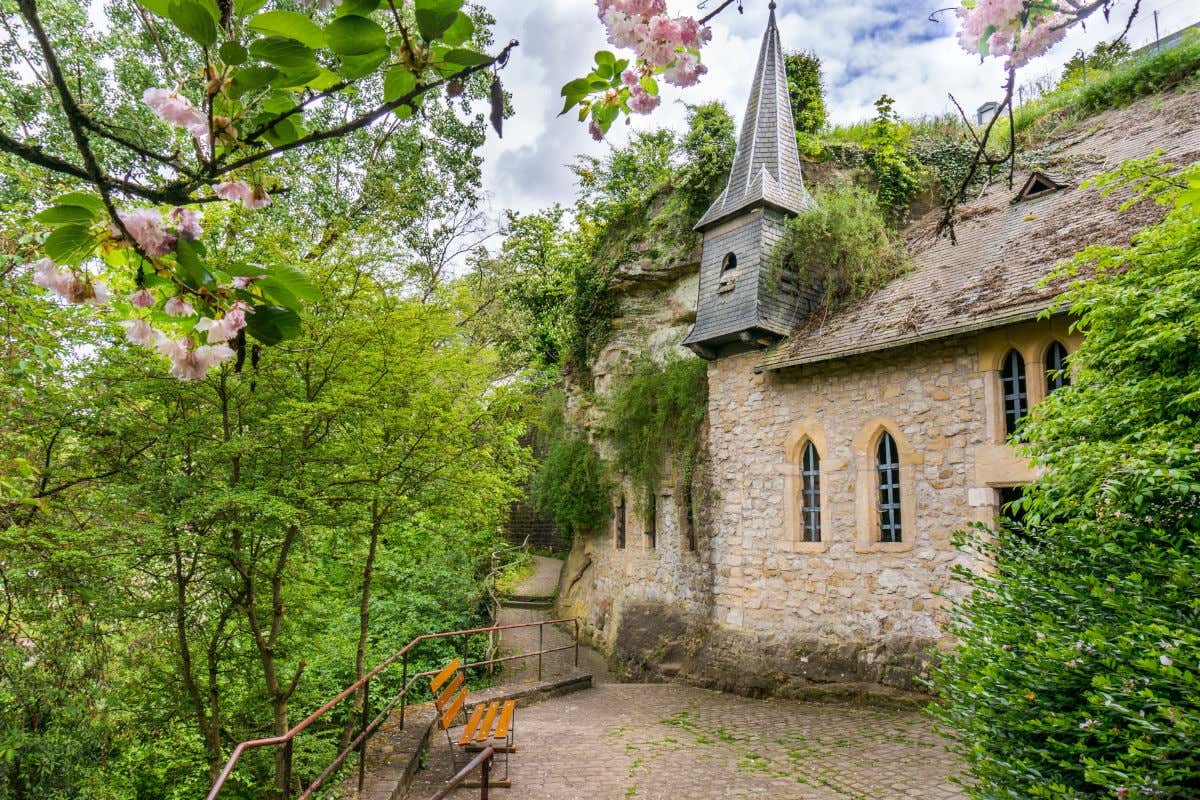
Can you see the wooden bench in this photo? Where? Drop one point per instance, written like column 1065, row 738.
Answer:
column 488, row 723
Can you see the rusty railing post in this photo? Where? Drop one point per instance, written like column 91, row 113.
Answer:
column 403, row 689
column 362, row 746
column 577, row 642
column 484, row 769
column 287, row 770
column 541, row 628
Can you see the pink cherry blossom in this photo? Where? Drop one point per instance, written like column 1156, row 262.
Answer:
column 146, row 227
column 1019, row 38
column 187, row 222
column 686, row 71
column 69, row 285
column 142, row 298
column 227, row 327
column 241, row 192
column 178, row 307
column 594, row 130
column 630, row 78
column 641, row 101
column 188, row 364
column 242, row 281
column 178, row 110
column 139, row 332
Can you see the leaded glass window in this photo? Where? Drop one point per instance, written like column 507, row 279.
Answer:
column 810, row 491
column 1057, row 375
column 1016, row 396
column 887, row 468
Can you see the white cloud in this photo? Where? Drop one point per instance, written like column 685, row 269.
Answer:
column 867, row 48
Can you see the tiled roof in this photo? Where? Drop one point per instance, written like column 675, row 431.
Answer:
column 766, row 166
column 992, row 276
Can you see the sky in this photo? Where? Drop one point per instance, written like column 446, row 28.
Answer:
column 867, row 48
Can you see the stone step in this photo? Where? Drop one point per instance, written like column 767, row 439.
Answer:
column 526, row 601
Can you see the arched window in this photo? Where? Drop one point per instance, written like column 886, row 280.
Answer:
column 728, row 263
column 1057, row 375
column 810, row 491
column 887, row 468
column 689, row 520
column 1016, row 397
column 621, row 524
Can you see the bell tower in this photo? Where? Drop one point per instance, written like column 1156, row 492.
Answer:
column 745, row 301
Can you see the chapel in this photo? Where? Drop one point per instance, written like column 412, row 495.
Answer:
column 844, row 450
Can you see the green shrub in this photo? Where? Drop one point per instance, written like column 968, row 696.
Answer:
column 1140, row 77
column 657, row 414
column 707, row 150
column 571, row 486
column 1077, row 671
column 842, row 246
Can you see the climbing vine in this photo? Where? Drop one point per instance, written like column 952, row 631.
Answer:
column 656, row 417
column 571, row 486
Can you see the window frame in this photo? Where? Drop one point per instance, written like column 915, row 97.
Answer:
column 869, row 533
column 1015, row 398
column 1057, row 377
column 650, row 529
column 889, row 493
column 810, row 493
column 620, row 522
column 800, row 437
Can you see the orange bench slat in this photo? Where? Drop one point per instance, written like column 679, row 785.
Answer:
column 448, row 693
column 506, row 716
column 456, row 705
column 472, row 723
column 436, row 682
column 485, row 729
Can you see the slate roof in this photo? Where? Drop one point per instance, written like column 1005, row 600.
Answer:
column 1005, row 249
column 766, row 166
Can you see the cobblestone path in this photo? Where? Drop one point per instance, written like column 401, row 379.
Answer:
column 672, row 742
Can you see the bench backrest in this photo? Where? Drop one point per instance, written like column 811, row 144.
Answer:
column 449, row 688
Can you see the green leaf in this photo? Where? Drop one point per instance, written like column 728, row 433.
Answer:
column 85, row 199
column 325, row 80
column 287, row 286
column 397, row 82
column 282, row 52
column 462, row 29
column 66, row 215
column 290, row 24
column 650, row 85
column 467, row 58
column 984, row 47
column 190, row 266
column 250, row 78
column 605, row 58
column 69, row 244
column 233, row 53
column 194, row 21
column 353, row 35
column 293, row 79
column 244, row 8
column 358, row 66
column 160, row 7
column 574, row 91
column 286, row 130
column 434, row 17
column 360, row 7
column 272, row 324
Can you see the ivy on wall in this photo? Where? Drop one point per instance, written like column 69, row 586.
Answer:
column 656, row 417
column 571, row 485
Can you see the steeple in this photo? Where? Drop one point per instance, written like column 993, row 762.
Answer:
column 749, row 297
column 766, row 166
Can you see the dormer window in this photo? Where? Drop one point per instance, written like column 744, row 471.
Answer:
column 1039, row 184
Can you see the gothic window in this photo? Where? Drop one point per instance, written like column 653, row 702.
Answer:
column 728, row 263
column 621, row 508
column 887, row 468
column 652, row 522
column 1016, row 396
column 810, row 490
column 1056, row 367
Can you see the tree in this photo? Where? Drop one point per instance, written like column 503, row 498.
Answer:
column 807, row 91
column 1105, row 55
column 1076, row 672
column 707, row 151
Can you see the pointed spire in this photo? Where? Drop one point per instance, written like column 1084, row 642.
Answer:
column 766, row 166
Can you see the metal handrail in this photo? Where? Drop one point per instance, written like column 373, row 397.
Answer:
column 359, row 741
column 484, row 762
